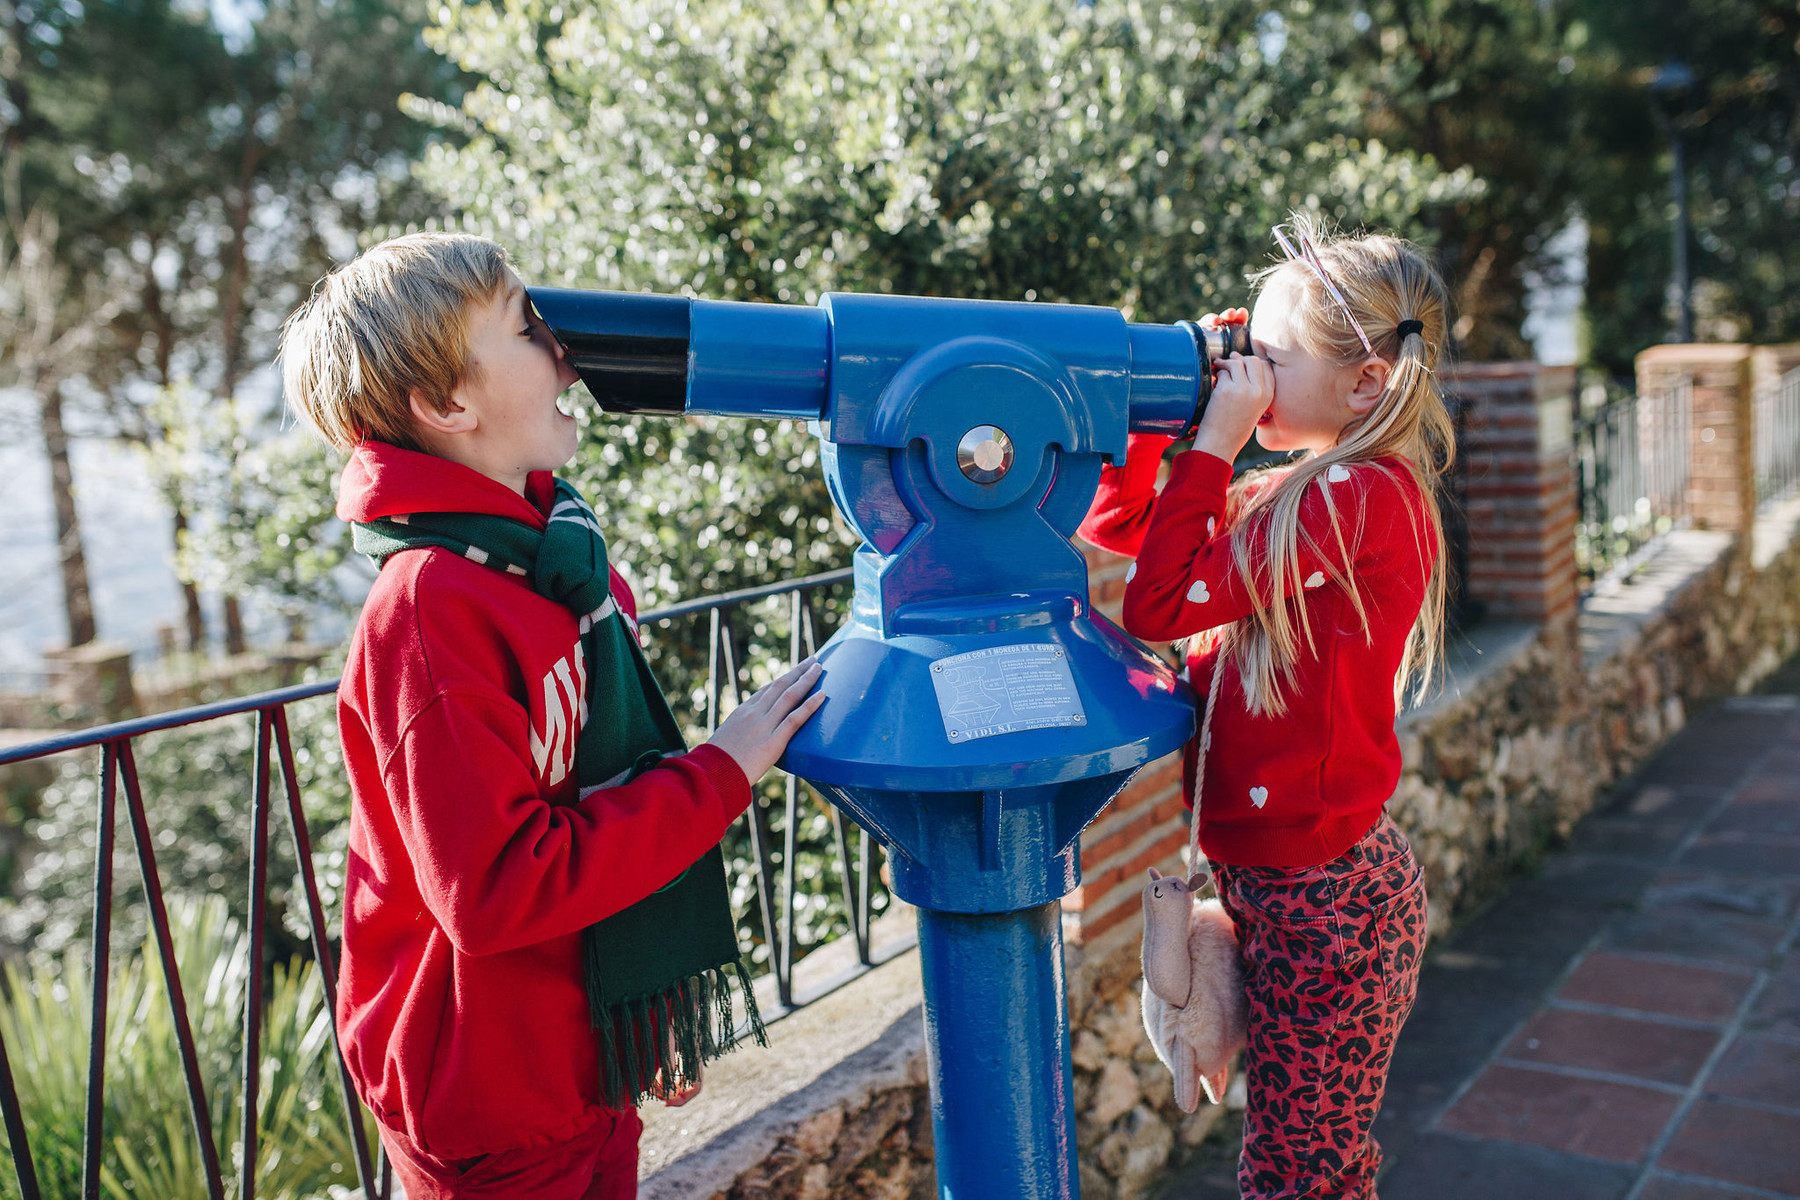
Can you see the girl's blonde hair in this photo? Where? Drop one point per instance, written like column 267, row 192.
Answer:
column 1384, row 281
column 390, row 321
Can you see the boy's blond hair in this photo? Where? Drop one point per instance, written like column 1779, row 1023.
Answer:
column 389, row 322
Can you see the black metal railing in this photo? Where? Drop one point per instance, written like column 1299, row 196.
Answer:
column 1631, row 459
column 728, row 666
column 1777, row 437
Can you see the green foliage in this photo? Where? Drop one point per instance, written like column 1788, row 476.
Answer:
column 1741, row 125
column 1130, row 155
column 1488, row 87
column 149, row 1147
column 774, row 149
column 1124, row 154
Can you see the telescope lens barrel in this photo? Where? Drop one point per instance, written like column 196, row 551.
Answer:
column 630, row 348
column 668, row 355
column 1165, row 370
column 760, row 360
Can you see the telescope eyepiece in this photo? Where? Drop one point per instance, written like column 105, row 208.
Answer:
column 630, row 348
column 1216, row 345
column 1213, row 346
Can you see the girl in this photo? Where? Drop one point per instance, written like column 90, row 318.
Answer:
column 1317, row 592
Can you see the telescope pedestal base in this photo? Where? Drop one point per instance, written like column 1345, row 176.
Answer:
column 997, row 1043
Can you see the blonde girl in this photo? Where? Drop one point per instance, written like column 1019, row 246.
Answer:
column 1313, row 596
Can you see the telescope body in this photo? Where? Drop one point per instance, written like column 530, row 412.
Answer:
column 979, row 715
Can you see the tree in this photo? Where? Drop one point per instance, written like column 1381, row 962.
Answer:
column 1741, row 125
column 56, row 308
column 300, row 143
column 1125, row 154
column 1490, row 87
column 201, row 184
column 774, row 149
column 40, row 331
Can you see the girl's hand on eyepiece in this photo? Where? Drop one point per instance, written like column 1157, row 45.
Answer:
column 1242, row 392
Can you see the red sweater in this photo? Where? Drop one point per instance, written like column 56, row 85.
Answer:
column 1299, row 789
column 473, row 863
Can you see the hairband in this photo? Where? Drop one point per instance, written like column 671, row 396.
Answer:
column 1410, row 325
column 1310, row 256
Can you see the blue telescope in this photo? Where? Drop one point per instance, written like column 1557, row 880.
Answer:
column 980, row 715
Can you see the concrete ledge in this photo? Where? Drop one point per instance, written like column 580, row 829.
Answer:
column 786, row 1106
column 1777, row 524
column 1615, row 615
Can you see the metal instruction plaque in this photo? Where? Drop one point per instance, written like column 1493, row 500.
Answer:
column 1005, row 689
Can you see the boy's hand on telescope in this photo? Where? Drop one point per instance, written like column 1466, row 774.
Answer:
column 1242, row 392
column 1231, row 316
column 758, row 730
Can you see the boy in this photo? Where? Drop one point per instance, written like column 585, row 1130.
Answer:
column 536, row 928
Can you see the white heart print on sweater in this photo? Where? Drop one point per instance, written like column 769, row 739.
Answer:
column 1338, row 473
column 1259, row 796
column 1198, row 593
column 1211, row 524
column 1316, row 579
column 1131, row 573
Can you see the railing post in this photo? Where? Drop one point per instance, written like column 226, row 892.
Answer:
column 1518, row 429
column 24, row 1169
column 253, row 990
column 1721, row 490
column 165, row 944
column 1774, row 374
column 101, row 960
column 322, row 955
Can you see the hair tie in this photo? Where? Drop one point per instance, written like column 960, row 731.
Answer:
column 1409, row 326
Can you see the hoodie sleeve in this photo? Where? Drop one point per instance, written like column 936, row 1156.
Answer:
column 1185, row 579
column 501, row 868
column 1120, row 513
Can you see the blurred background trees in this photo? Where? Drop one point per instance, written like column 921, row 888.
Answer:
column 177, row 176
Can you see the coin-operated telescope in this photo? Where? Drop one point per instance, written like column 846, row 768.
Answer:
column 979, row 714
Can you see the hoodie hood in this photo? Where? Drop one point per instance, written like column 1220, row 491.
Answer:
column 383, row 480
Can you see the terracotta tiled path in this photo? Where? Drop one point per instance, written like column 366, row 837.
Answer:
column 1624, row 1024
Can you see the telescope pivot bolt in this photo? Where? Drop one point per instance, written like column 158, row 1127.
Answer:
column 985, row 454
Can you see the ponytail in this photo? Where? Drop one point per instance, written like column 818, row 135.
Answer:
column 1392, row 292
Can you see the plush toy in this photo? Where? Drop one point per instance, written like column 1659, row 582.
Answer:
column 1195, row 1010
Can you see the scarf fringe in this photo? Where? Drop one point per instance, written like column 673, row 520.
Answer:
column 653, row 1046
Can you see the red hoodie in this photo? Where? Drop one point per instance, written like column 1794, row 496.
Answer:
column 1299, row 789
column 474, row 865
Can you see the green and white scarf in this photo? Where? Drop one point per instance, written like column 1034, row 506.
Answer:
column 657, row 973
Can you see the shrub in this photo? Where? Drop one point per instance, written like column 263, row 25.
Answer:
column 149, row 1147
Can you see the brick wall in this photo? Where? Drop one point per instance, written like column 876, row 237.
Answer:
column 1721, row 491
column 1519, row 488
column 1145, row 825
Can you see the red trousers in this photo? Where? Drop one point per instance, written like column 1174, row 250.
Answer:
column 1331, row 963
column 599, row 1164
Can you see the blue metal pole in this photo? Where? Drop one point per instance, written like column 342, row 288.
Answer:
column 997, row 1040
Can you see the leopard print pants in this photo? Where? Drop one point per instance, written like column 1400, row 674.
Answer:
column 1331, row 962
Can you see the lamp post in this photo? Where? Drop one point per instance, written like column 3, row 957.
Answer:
column 1671, row 84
